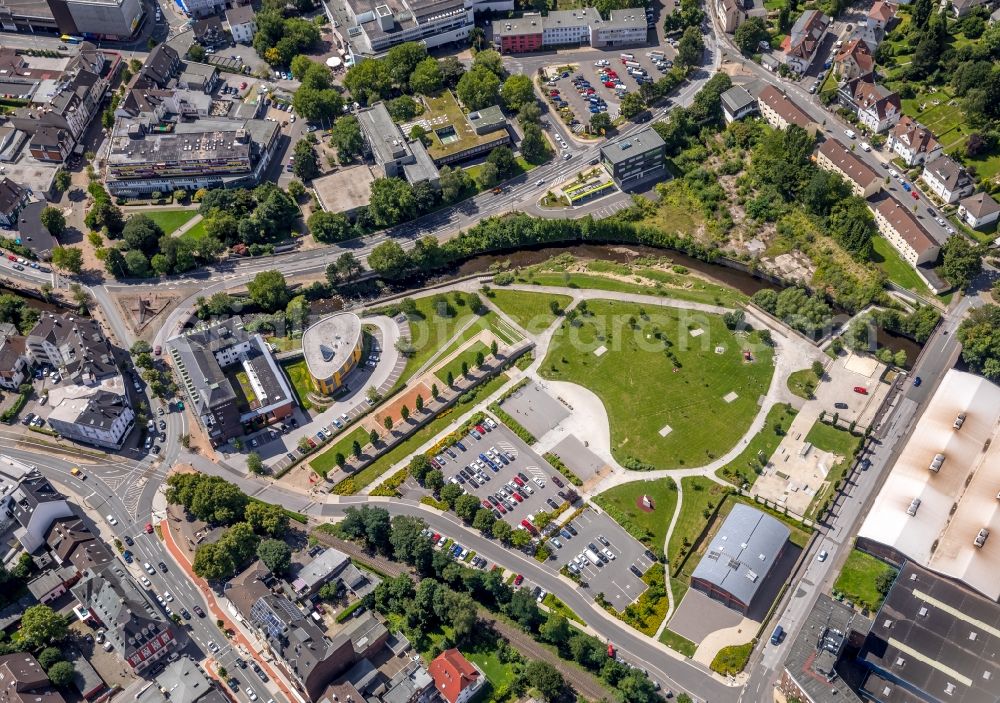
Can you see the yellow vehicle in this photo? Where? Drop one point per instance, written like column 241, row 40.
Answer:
column 76, row 472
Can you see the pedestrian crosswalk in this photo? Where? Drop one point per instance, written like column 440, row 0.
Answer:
column 508, row 448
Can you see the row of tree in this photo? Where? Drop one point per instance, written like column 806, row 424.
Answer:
column 427, row 607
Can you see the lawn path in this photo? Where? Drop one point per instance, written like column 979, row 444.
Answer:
column 187, row 226
column 447, row 345
column 666, row 572
column 579, row 294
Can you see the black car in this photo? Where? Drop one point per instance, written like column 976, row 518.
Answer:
column 241, row 663
column 185, row 614
column 260, row 672
column 572, row 529
column 128, row 540
column 163, row 567
column 198, row 611
column 234, row 684
column 635, row 570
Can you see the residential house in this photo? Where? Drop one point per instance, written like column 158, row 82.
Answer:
column 162, row 64
column 242, row 23
column 23, row 680
column 737, row 103
column 14, row 363
column 181, row 681
column 877, row 108
column 963, row 7
column 74, row 345
column 853, row 60
column 33, row 233
column 863, row 179
column 52, row 583
column 209, row 32
column 73, row 545
column 912, row 142
column 731, row 14
column 198, row 76
column 36, row 504
column 869, row 34
column 947, row 179
column 780, row 111
column 804, row 38
column 49, row 143
column 978, row 210
column 322, row 569
column 907, row 236
column 13, row 198
column 133, row 625
column 881, row 15
column 455, row 677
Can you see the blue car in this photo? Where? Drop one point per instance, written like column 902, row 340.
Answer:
column 565, row 534
column 906, row 187
column 127, row 556
column 460, row 446
column 456, row 550
column 917, row 381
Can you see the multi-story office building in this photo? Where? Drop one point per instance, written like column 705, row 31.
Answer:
column 533, row 31
column 147, row 155
column 637, row 159
column 13, row 198
column 114, row 20
column 208, row 361
column 395, row 155
column 332, row 347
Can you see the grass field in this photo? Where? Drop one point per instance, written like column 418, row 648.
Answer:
column 169, row 220
column 530, row 310
column 858, row 580
column 731, row 660
column 758, row 451
column 803, row 383
column 701, row 495
column 840, row 442
column 467, row 357
column 650, row 528
column 196, row 232
column 647, row 282
column 655, row 375
column 298, row 374
column 678, row 643
column 895, row 269
column 410, row 444
column 327, row 461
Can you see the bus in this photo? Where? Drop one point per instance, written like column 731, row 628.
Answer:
column 69, row 39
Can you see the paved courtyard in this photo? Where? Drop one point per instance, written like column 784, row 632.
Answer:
column 698, row 616
column 535, row 409
column 581, row 461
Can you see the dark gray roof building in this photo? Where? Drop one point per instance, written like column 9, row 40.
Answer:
column 737, row 103
column 636, row 159
column 740, row 557
column 181, row 680
column 32, row 232
column 816, row 657
column 137, row 629
column 36, row 505
column 22, row 680
column 75, row 345
column 932, row 641
column 13, row 198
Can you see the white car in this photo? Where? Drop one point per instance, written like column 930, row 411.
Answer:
column 112, row 521
column 214, row 647
column 892, row 172
column 865, row 146
column 146, row 582
column 167, row 597
column 250, row 694
column 822, row 555
column 850, row 134
column 149, row 569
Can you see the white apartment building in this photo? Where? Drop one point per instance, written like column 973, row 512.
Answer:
column 912, row 142
column 947, row 179
column 904, row 232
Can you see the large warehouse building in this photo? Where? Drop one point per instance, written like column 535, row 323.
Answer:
column 939, row 506
column 332, row 347
column 740, row 557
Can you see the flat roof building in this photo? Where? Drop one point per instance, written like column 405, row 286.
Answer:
column 230, row 378
column 931, row 641
column 378, row 25
column 395, row 154
column 583, row 26
column 942, row 491
column 740, row 557
column 332, row 347
column 636, row 160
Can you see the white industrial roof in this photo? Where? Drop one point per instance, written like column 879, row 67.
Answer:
column 957, row 501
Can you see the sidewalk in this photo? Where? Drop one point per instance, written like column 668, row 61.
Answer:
column 218, row 612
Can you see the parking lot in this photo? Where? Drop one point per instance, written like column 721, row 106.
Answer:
column 513, row 498
column 607, row 80
column 619, row 575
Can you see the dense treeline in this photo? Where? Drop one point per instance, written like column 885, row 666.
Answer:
column 448, row 592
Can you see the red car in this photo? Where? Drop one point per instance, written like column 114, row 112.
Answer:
column 518, row 580
column 611, row 650
column 609, row 84
column 11, row 257
column 861, row 389
column 913, row 193
column 149, row 528
column 436, row 537
column 480, row 429
column 517, row 497
column 486, row 505
column 518, row 481
column 529, row 527
column 502, row 509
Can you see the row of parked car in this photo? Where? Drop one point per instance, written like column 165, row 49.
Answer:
column 456, row 550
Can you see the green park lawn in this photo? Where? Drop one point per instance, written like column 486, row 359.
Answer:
column 196, row 232
column 327, row 461
column 467, row 357
column 841, row 442
column 644, row 391
column 298, row 374
column 759, row 450
column 169, row 220
column 432, row 325
column 895, row 269
column 803, row 383
column 530, row 310
column 650, row 528
column 858, row 580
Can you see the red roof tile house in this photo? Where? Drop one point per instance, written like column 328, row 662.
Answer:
column 877, row 107
column 799, row 47
column 881, row 15
column 455, row 677
column 854, row 59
